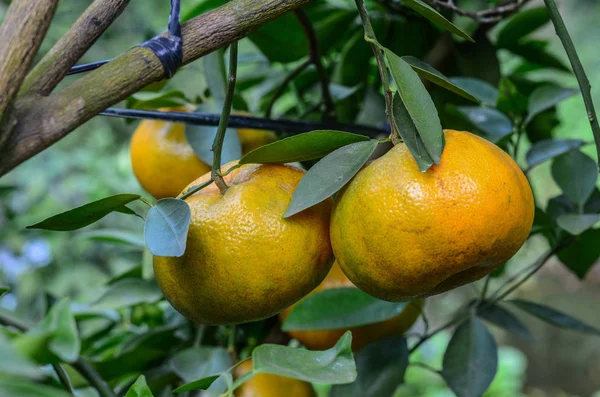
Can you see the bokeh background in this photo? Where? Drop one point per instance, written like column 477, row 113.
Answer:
column 93, row 162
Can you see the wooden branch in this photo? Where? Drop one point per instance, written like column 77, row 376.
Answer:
column 42, row 121
column 21, row 34
column 70, row 48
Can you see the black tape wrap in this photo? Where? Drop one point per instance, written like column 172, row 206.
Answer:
column 169, row 50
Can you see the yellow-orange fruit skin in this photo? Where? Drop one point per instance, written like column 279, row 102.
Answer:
column 399, row 233
column 243, row 261
column 361, row 336
column 268, row 385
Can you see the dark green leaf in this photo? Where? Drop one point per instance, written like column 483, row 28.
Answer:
column 485, row 92
column 340, row 308
column 576, row 174
column 60, row 323
column 199, row 362
column 201, row 137
column 334, row 366
column 11, row 386
column 155, row 100
column 380, row 366
column 166, row 227
column 139, row 388
column 479, row 60
column 471, row 359
column 419, row 105
column 128, row 292
column 535, row 52
column 521, row 25
column 329, row 175
column 5, row 190
column 128, row 211
column 200, row 384
column 409, row 134
column 496, row 125
column 215, row 74
column 504, row 319
column 3, row 290
column 582, row 254
column 201, row 7
column 550, row 148
column 576, row 224
column 86, row 214
column 15, row 363
column 428, row 72
column 436, row 18
column 115, row 236
column 545, row 97
column 308, row 146
column 554, row 317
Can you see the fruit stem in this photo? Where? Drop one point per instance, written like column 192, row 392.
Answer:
column 217, row 146
column 383, row 72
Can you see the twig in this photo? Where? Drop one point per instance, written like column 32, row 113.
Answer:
column 70, row 48
column 584, row 83
column 485, row 287
column 63, row 377
column 231, row 345
column 82, row 366
column 281, row 89
column 217, row 146
column 315, row 58
column 281, row 125
column 426, row 366
column 426, row 337
column 200, row 330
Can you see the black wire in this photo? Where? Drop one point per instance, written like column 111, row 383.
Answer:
column 210, row 119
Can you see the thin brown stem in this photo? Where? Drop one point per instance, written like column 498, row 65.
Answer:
column 281, row 89
column 70, row 48
column 315, row 57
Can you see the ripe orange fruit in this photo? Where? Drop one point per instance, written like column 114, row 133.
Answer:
column 164, row 162
column 399, row 233
column 361, row 336
column 268, row 385
column 243, row 261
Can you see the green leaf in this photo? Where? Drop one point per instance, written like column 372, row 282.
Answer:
column 303, row 147
column 576, row 224
column 115, row 236
column 484, row 91
column 201, row 7
column 329, row 175
column 199, row 362
column 554, row 317
column 200, row 384
column 128, row 211
column 495, row 125
column 215, row 73
column 166, row 227
column 582, row 254
column 155, row 100
column 504, row 319
column 419, row 105
column 545, row 97
column 86, row 214
column 15, row 363
column 334, row 366
column 550, row 148
column 380, row 367
column 471, row 359
column 409, row 134
column 428, row 72
column 11, row 386
column 436, row 18
column 522, row 24
column 576, row 175
column 340, row 308
column 535, row 52
column 5, row 190
column 128, row 292
column 139, row 388
column 3, row 290
column 201, row 137
column 60, row 323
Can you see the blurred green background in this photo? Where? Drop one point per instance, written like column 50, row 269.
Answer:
column 93, row 162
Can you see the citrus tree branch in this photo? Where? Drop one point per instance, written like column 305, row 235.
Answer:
column 70, row 48
column 24, row 27
column 315, row 58
column 584, row 83
column 40, row 122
